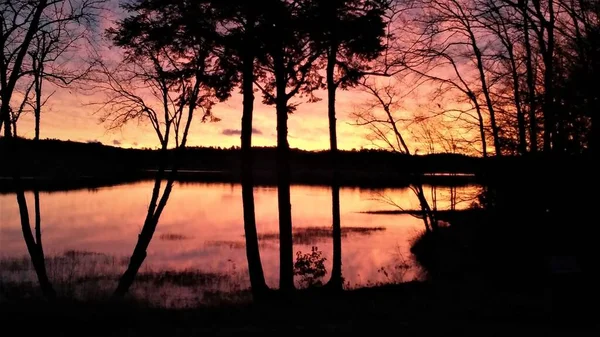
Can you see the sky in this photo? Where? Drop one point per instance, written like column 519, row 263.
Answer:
column 68, row 115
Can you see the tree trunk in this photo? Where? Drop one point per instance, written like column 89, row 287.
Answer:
column 548, row 107
column 5, row 112
column 286, row 253
column 481, row 124
column 35, row 250
column 336, row 270
column 38, row 99
column 150, row 223
column 593, row 135
column 144, row 239
column 547, row 51
column 488, row 100
column 255, row 269
column 533, row 144
column 38, row 219
column 520, row 114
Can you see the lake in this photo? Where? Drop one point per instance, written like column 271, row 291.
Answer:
column 198, row 249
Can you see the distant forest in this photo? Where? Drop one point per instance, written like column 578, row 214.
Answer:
column 67, row 160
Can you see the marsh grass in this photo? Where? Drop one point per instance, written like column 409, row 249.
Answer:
column 173, row 237
column 313, row 235
column 226, row 244
column 90, row 276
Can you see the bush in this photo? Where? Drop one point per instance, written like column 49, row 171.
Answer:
column 310, row 267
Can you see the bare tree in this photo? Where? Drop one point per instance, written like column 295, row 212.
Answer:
column 453, row 22
column 500, row 21
column 380, row 115
column 162, row 82
column 21, row 21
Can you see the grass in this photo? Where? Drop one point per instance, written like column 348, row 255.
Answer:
column 416, row 308
column 86, row 276
column 173, row 237
column 313, row 235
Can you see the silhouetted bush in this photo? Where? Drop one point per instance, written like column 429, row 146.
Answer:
column 310, row 267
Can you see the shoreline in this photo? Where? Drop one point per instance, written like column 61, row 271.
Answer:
column 263, row 178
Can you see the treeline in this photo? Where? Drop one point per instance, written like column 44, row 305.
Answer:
column 65, row 160
column 69, row 164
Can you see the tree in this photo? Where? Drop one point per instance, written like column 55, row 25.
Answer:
column 380, row 115
column 453, row 22
column 288, row 69
column 25, row 24
column 21, row 22
column 241, row 18
column 500, row 21
column 169, row 70
column 351, row 34
column 53, row 57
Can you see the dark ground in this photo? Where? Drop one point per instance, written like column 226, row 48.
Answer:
column 419, row 309
column 470, row 291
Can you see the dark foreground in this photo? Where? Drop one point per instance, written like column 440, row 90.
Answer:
column 420, row 309
column 473, row 289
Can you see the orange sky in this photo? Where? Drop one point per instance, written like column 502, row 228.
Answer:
column 68, row 116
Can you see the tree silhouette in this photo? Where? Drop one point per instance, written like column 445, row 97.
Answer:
column 22, row 24
column 170, row 69
column 288, row 68
column 380, row 115
column 241, row 48
column 350, row 32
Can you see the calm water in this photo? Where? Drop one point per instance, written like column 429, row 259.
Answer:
column 199, row 243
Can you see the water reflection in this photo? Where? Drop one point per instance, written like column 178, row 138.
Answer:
column 201, row 233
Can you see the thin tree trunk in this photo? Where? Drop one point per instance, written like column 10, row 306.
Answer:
column 35, row 250
column 548, row 108
column 488, row 100
column 150, row 223
column 593, row 135
column 144, row 239
column 533, row 144
column 547, row 51
column 255, row 269
column 336, row 270
column 38, row 99
column 520, row 114
column 38, row 220
column 481, row 124
column 286, row 252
